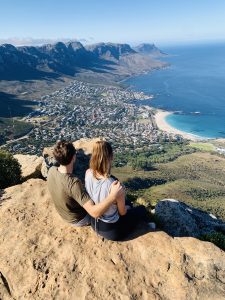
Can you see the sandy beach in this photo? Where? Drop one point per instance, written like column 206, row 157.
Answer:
column 164, row 126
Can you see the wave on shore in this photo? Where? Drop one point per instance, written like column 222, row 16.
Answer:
column 160, row 119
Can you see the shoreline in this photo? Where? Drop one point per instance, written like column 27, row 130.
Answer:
column 160, row 115
column 160, row 119
column 144, row 72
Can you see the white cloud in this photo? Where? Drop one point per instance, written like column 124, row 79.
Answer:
column 37, row 42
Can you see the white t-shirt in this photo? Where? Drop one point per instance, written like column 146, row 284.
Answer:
column 98, row 190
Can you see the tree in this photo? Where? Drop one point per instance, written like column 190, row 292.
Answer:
column 10, row 170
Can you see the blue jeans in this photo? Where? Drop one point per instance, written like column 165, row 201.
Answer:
column 124, row 226
column 84, row 222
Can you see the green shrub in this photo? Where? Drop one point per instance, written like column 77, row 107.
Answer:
column 217, row 238
column 10, row 170
column 144, row 159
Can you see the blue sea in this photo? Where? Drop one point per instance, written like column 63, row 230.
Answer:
column 193, row 87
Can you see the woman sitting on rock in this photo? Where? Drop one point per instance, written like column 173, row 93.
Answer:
column 119, row 220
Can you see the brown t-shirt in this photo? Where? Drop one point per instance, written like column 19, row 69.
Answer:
column 68, row 195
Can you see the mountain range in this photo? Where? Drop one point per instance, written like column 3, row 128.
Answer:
column 50, row 60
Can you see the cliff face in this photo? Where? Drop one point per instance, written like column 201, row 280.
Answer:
column 110, row 50
column 53, row 60
column 42, row 257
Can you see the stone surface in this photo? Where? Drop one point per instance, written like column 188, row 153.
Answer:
column 86, row 145
column 179, row 219
column 84, row 149
column 30, row 165
column 48, row 161
column 42, row 257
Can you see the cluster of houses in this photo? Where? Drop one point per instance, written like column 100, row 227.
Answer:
column 84, row 110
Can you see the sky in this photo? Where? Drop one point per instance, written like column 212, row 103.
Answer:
column 158, row 21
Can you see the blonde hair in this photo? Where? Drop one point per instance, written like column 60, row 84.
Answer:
column 101, row 157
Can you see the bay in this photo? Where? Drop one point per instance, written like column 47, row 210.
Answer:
column 193, row 87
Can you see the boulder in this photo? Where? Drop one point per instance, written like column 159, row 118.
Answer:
column 86, row 145
column 180, row 219
column 42, row 257
column 84, row 149
column 30, row 165
column 48, row 161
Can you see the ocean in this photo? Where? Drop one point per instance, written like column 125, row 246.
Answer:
column 193, row 87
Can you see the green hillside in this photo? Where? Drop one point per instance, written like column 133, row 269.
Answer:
column 197, row 179
column 11, row 129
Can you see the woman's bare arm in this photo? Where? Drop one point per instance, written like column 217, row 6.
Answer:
column 121, row 205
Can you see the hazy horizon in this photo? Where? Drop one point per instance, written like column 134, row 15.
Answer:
column 39, row 42
column 164, row 22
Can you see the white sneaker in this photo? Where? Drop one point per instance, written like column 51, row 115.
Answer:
column 152, row 226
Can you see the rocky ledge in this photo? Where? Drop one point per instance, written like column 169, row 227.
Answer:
column 42, row 257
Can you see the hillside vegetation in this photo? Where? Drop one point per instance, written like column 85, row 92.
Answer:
column 10, row 170
column 197, row 179
column 11, row 129
column 144, row 159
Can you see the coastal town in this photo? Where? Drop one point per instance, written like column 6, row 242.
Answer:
column 85, row 110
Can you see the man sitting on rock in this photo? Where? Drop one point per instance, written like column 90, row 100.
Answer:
column 71, row 200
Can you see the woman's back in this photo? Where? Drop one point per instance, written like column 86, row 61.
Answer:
column 98, row 190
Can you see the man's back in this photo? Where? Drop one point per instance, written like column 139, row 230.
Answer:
column 68, row 195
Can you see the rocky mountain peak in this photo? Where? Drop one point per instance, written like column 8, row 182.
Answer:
column 8, row 47
column 110, row 49
column 146, row 48
column 75, row 45
column 54, row 60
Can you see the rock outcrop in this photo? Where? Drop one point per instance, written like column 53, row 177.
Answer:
column 42, row 257
column 30, row 165
column 179, row 219
column 86, row 145
column 48, row 161
column 84, row 149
